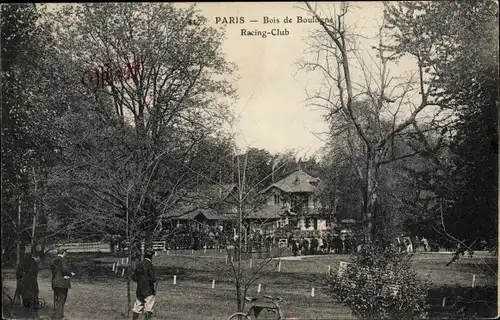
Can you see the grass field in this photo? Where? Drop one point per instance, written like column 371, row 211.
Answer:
column 98, row 293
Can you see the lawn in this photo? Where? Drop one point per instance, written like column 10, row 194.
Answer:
column 98, row 293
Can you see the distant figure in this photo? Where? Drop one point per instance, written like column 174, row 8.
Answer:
column 337, row 245
column 347, row 244
column 483, row 244
column 196, row 241
column 305, row 246
column 320, row 245
column 425, row 243
column 314, row 245
column 144, row 275
column 329, row 243
column 409, row 247
column 61, row 277
column 295, row 247
column 416, row 244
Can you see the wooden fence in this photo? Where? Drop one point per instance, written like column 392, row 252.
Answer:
column 84, row 247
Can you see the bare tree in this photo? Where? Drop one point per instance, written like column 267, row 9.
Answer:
column 369, row 108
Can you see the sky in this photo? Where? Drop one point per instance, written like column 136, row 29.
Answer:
column 272, row 110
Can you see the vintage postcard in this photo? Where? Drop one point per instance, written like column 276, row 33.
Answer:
column 250, row 160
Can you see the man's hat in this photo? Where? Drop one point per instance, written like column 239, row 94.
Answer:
column 149, row 252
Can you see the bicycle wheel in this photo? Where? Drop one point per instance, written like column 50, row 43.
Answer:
column 239, row 316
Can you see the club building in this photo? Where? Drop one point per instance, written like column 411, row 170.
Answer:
column 289, row 206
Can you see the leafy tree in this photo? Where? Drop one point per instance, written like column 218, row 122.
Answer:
column 456, row 42
column 32, row 110
column 151, row 87
column 171, row 99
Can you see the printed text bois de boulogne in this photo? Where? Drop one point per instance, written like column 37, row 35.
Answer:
column 265, row 26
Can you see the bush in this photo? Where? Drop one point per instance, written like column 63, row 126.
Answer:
column 379, row 283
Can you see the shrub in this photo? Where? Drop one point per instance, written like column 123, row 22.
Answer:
column 378, row 283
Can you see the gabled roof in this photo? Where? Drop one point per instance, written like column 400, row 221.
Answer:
column 210, row 214
column 269, row 212
column 298, row 181
column 266, row 212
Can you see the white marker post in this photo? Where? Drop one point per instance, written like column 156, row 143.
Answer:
column 192, row 251
column 123, row 272
column 473, row 280
column 279, row 266
column 168, row 252
column 329, row 269
column 213, row 284
column 175, row 279
column 113, row 269
column 444, row 301
column 156, row 253
column 226, row 258
column 258, row 288
column 205, row 249
column 312, row 292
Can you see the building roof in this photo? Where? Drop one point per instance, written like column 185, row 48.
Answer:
column 269, row 212
column 210, row 214
column 298, row 181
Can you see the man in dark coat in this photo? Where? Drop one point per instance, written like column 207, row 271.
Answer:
column 314, row 245
column 30, row 281
column 61, row 277
column 305, row 246
column 295, row 247
column 144, row 275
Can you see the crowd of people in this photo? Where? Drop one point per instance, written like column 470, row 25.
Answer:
column 342, row 244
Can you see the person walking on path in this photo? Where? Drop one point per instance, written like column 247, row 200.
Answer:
column 61, row 282
column 144, row 275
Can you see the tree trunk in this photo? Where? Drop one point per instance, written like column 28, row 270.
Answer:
column 33, row 242
column 18, row 234
column 371, row 196
column 129, row 276
column 35, row 213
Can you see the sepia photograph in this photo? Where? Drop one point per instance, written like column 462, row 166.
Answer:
column 250, row 160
